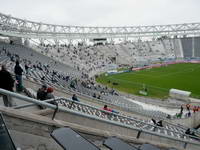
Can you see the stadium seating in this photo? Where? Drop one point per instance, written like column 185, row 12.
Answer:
column 187, row 47
column 197, row 46
column 167, row 129
column 36, row 75
column 93, row 59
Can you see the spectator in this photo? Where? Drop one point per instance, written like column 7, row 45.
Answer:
column 27, row 68
column 159, row 123
column 74, row 98
column 7, row 83
column 188, row 114
column 168, row 116
column 189, row 132
column 181, row 109
column 188, row 107
column 18, row 74
column 94, row 95
column 109, row 109
column 50, row 95
column 154, row 121
column 195, row 109
column 42, row 93
column 106, row 108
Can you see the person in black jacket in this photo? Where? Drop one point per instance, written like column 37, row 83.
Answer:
column 74, row 98
column 6, row 83
column 41, row 95
column 18, row 74
column 42, row 92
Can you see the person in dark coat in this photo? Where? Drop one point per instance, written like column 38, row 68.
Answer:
column 18, row 74
column 42, row 92
column 6, row 83
column 41, row 95
column 74, row 98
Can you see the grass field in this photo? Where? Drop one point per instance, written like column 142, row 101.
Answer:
column 158, row 81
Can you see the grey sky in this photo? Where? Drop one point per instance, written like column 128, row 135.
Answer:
column 104, row 12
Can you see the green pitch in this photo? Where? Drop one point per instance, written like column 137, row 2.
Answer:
column 157, row 81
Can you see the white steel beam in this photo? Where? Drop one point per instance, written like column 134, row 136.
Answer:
column 12, row 26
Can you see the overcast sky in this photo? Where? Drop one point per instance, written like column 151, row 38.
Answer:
column 104, row 12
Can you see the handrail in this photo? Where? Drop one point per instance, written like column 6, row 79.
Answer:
column 29, row 105
column 28, row 99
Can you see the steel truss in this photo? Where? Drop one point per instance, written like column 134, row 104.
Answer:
column 11, row 26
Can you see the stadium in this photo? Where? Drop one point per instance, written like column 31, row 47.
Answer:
column 94, row 87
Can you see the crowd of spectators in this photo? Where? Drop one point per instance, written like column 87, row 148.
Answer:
column 95, row 58
column 82, row 57
column 189, row 110
column 25, row 67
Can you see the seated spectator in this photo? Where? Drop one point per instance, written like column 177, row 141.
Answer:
column 72, row 84
column 50, row 95
column 74, row 98
column 99, row 97
column 168, row 116
column 94, row 95
column 106, row 108
column 159, row 123
column 109, row 109
column 41, row 95
column 189, row 132
column 42, row 92
column 154, row 121
column 43, row 78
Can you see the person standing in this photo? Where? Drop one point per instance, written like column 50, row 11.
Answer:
column 18, row 74
column 6, row 83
